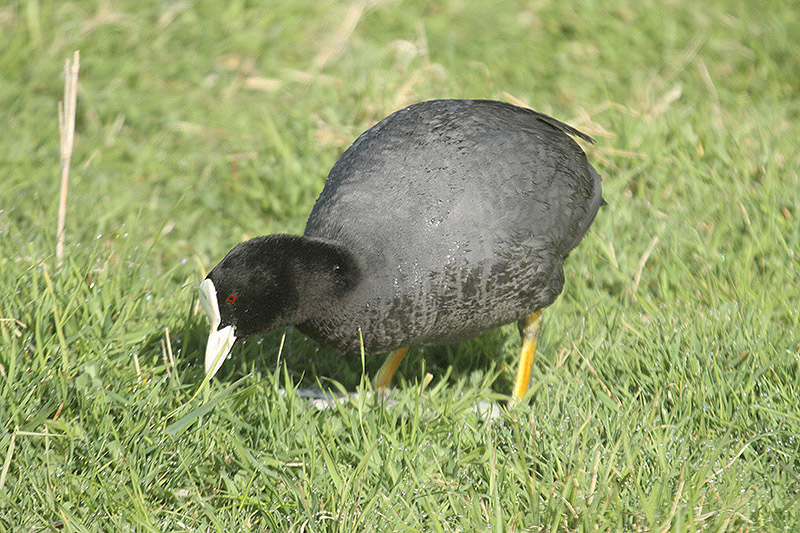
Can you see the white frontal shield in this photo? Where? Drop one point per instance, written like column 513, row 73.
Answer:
column 220, row 341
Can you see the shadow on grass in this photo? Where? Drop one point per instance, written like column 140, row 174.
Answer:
column 309, row 363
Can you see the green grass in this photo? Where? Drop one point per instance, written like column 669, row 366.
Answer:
column 666, row 388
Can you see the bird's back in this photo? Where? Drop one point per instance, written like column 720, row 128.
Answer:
column 460, row 214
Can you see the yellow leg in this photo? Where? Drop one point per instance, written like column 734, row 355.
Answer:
column 384, row 376
column 529, row 330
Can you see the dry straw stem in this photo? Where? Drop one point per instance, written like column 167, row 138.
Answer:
column 66, row 123
column 637, row 277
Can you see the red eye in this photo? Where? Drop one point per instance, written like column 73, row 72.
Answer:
column 230, row 299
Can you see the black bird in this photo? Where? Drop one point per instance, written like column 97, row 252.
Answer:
column 443, row 221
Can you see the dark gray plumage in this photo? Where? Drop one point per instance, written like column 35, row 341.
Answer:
column 459, row 214
column 443, row 221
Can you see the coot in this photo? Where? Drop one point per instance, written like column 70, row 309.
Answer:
column 443, row 221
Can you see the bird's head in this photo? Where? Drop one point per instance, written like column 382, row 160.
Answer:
column 269, row 282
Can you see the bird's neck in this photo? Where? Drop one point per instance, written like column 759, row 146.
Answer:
column 324, row 272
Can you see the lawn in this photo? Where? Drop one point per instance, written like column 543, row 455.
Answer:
column 666, row 391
